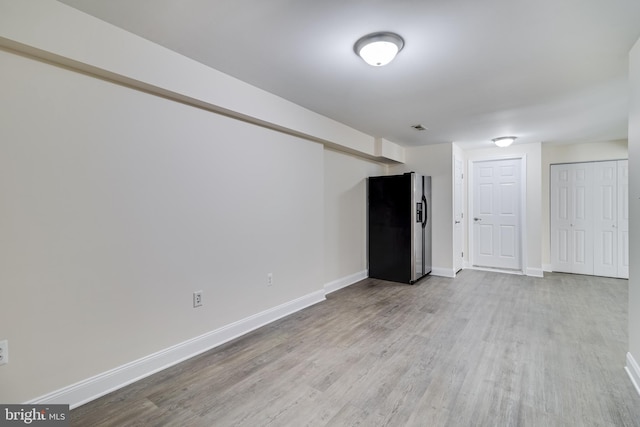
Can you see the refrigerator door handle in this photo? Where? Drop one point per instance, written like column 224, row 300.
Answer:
column 426, row 210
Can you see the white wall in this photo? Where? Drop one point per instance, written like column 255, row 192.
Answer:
column 633, row 358
column 345, row 213
column 436, row 161
column 532, row 231
column 554, row 154
column 118, row 204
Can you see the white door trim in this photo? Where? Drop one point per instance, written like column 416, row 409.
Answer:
column 623, row 219
column 523, row 206
column 458, row 215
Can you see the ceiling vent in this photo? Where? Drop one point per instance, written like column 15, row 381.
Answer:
column 418, row 127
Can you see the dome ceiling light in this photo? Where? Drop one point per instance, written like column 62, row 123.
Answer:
column 504, row 141
column 378, row 49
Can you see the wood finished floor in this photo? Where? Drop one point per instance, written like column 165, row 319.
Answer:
column 484, row 349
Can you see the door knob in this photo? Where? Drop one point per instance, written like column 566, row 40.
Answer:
column 477, row 219
column 457, row 222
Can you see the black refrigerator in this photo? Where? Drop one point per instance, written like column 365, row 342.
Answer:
column 399, row 218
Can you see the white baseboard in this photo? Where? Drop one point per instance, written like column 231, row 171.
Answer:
column 345, row 281
column 633, row 370
column 535, row 272
column 547, row 267
column 106, row 382
column 443, row 272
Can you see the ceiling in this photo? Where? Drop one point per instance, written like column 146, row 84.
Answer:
column 546, row 70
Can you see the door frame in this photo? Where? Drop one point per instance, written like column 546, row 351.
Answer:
column 523, row 209
column 458, row 258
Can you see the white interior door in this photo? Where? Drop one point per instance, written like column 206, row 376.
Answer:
column 457, row 215
column 571, row 218
column 623, row 218
column 496, row 214
column 605, row 219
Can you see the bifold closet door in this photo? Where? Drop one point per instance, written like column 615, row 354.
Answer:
column 571, row 218
column 605, row 219
column 590, row 218
column 611, row 219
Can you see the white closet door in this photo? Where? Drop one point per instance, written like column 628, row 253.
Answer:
column 571, row 218
column 605, row 219
column 582, row 218
column 561, row 188
column 623, row 219
column 590, row 218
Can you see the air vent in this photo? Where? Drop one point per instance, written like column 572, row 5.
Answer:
column 418, row 127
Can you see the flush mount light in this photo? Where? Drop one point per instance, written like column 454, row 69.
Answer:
column 504, row 141
column 378, row 49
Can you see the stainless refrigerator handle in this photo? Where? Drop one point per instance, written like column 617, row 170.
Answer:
column 425, row 212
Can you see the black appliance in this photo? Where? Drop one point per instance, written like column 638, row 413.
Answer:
column 399, row 217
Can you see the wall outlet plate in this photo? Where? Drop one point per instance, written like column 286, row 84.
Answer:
column 4, row 352
column 269, row 279
column 197, row 299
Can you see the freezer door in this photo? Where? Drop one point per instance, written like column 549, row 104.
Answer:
column 419, row 212
column 390, row 233
column 427, row 251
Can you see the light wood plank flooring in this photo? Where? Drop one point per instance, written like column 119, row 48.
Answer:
column 484, row 349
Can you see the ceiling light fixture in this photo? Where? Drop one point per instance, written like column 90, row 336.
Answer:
column 504, row 141
column 378, row 49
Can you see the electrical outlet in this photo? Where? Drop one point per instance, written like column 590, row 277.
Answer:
column 269, row 279
column 4, row 352
column 197, row 299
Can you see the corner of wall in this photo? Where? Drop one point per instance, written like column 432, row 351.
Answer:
column 633, row 370
column 634, row 214
column 389, row 150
